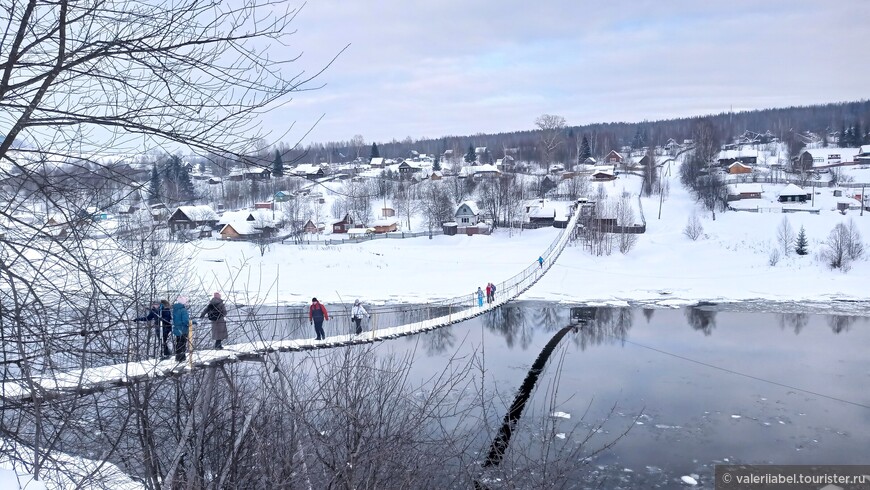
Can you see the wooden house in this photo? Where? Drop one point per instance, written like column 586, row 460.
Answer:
column 614, row 157
column 603, row 176
column 739, row 168
column 793, row 193
column 346, row 223
column 311, row 227
column 191, row 217
column 467, row 214
column 385, row 225
column 740, row 191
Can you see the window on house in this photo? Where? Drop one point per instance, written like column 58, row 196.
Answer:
column 465, row 220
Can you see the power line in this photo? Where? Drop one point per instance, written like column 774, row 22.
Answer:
column 731, row 371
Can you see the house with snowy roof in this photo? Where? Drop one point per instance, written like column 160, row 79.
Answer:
column 740, row 191
column 739, row 168
column 614, row 157
column 467, row 214
column 821, row 158
column 191, row 217
column 793, row 193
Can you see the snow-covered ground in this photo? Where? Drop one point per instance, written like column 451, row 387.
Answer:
column 728, row 263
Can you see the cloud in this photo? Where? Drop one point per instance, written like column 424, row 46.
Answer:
column 452, row 67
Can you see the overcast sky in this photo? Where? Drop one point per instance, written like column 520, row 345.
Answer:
column 460, row 67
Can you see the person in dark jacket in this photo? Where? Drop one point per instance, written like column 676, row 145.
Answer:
column 316, row 314
column 161, row 314
column 180, row 327
column 216, row 311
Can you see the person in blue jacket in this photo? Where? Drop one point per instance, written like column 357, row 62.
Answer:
column 180, row 327
column 479, row 296
column 161, row 314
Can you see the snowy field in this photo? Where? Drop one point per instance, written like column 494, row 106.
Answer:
column 728, row 263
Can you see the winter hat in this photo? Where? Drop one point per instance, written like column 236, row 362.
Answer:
column 356, row 302
column 314, row 300
column 182, row 300
column 217, row 294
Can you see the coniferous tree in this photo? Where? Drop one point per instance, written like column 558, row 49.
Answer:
column 844, row 136
column 638, row 140
column 154, row 185
column 375, row 152
column 470, row 156
column 857, row 134
column 278, row 165
column 585, row 150
column 436, row 165
column 801, row 243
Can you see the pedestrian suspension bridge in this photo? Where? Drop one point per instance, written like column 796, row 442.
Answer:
column 404, row 321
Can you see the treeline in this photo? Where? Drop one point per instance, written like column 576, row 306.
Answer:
column 823, row 120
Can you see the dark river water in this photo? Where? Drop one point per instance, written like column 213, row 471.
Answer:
column 696, row 386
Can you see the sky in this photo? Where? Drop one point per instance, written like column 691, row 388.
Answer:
column 461, row 67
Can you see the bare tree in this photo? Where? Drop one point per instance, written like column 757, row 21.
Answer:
column 552, row 128
column 358, row 143
column 785, row 236
column 624, row 219
column 843, row 246
column 694, row 229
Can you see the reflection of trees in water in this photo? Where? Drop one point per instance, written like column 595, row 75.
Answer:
column 795, row 321
column 841, row 323
column 437, row 341
column 609, row 325
column 551, row 317
column 648, row 314
column 510, row 322
column 701, row 319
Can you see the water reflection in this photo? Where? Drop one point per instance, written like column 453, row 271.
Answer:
column 841, row 323
column 648, row 313
column 510, row 321
column 795, row 321
column 609, row 325
column 701, row 319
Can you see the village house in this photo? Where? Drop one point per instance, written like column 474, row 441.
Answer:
column 744, row 156
column 602, row 176
column 793, row 193
column 257, row 173
column 407, row 168
column 737, row 192
column 311, row 227
column 540, row 213
column 191, row 217
column 467, row 214
column 385, row 225
column 739, row 168
column 307, row 170
column 345, row 224
column 821, row 158
column 614, row 158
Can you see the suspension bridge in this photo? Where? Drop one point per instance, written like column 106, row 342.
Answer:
column 410, row 320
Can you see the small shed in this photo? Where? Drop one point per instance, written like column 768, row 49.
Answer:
column 311, row 227
column 450, row 228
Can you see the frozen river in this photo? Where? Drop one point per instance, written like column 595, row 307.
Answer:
column 697, row 386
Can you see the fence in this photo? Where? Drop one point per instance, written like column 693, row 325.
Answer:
column 364, row 238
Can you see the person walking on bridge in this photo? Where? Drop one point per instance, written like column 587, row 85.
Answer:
column 180, row 327
column 216, row 311
column 479, row 296
column 316, row 314
column 541, row 262
column 356, row 314
column 161, row 314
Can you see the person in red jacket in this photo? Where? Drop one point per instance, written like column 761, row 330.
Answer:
column 316, row 314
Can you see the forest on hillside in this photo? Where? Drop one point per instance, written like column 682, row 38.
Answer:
column 783, row 123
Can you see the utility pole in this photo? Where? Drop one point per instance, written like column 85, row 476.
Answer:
column 863, row 198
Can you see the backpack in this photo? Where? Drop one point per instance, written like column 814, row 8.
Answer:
column 213, row 314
